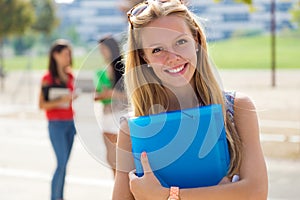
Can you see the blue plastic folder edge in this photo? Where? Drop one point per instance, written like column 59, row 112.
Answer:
column 187, row 148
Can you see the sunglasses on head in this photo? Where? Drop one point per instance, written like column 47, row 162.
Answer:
column 141, row 7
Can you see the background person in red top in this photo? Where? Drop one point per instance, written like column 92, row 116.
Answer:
column 56, row 99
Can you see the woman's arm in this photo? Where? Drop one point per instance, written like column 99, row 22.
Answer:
column 253, row 182
column 110, row 94
column 124, row 165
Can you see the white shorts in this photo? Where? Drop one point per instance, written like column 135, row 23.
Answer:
column 108, row 121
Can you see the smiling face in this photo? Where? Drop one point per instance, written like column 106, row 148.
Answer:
column 170, row 49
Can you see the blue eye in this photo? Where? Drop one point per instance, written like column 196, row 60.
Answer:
column 181, row 41
column 157, row 50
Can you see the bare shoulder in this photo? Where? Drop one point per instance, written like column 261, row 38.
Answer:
column 245, row 116
column 243, row 102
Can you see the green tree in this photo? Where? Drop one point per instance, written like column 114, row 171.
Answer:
column 20, row 16
column 46, row 21
column 244, row 1
column 46, row 16
column 296, row 13
column 73, row 34
column 23, row 43
column 16, row 16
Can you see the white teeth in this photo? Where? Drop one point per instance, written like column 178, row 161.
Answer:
column 176, row 70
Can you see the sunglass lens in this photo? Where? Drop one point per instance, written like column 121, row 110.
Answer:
column 138, row 10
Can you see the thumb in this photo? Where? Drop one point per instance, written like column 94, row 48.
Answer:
column 145, row 163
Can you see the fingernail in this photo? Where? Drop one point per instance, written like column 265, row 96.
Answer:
column 235, row 178
column 144, row 154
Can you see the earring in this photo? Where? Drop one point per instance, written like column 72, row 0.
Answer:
column 148, row 65
column 197, row 50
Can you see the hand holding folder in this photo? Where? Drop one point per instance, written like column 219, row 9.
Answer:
column 185, row 148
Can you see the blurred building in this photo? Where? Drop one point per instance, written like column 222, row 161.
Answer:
column 227, row 18
column 94, row 18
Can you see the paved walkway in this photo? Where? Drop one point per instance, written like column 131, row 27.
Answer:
column 27, row 160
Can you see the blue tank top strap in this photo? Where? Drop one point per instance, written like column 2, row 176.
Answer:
column 229, row 102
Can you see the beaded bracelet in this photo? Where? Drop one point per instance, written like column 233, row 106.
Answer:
column 174, row 193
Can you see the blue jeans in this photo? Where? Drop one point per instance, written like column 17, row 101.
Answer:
column 62, row 136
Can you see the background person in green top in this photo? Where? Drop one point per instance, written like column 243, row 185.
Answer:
column 109, row 89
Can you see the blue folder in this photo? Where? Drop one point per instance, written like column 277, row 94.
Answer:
column 186, row 148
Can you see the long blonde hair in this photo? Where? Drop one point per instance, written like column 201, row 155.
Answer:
column 144, row 88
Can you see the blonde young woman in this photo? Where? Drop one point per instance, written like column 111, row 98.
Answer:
column 167, row 69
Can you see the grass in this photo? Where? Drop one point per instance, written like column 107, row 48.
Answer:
column 35, row 63
column 255, row 52
column 236, row 53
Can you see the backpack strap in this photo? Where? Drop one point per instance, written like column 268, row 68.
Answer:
column 229, row 102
